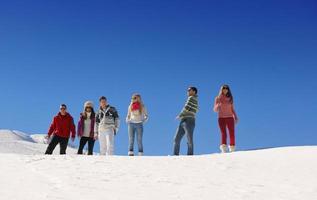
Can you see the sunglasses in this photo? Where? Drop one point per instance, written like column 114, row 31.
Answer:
column 225, row 88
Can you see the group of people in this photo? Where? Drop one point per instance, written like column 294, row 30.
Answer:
column 104, row 124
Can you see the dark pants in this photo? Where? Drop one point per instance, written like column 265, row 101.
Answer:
column 186, row 127
column 82, row 143
column 63, row 142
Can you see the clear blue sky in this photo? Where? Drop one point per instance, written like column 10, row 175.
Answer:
column 54, row 52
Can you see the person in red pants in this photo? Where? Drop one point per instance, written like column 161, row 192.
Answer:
column 227, row 118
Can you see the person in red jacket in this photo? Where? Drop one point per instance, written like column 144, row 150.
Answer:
column 60, row 129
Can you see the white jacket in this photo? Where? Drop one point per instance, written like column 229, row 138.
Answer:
column 107, row 119
column 136, row 116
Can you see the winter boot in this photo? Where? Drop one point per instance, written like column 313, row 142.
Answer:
column 130, row 153
column 140, row 153
column 232, row 148
column 223, row 148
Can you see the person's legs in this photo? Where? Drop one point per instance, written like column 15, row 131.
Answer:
column 223, row 128
column 63, row 145
column 131, row 131
column 51, row 146
column 139, row 130
column 110, row 142
column 102, row 143
column 230, row 123
column 91, row 143
column 82, row 143
column 178, row 137
column 189, row 131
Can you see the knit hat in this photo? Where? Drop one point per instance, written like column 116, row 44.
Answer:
column 88, row 104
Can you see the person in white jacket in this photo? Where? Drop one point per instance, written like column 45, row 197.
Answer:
column 107, row 126
column 136, row 117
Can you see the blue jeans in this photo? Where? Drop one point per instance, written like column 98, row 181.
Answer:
column 135, row 128
column 186, row 127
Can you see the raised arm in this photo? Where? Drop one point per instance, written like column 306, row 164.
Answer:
column 216, row 104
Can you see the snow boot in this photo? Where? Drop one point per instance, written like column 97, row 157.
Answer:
column 232, row 148
column 223, row 148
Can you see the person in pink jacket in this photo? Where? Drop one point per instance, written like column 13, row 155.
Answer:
column 86, row 127
column 227, row 118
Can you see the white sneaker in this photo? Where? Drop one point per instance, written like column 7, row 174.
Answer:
column 232, row 148
column 223, row 148
column 130, row 153
column 140, row 153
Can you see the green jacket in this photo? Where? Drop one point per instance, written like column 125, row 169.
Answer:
column 190, row 109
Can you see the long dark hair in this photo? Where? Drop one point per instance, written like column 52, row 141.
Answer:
column 92, row 116
column 229, row 94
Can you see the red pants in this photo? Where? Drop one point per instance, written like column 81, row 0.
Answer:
column 225, row 123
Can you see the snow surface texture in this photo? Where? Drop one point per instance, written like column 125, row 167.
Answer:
column 288, row 173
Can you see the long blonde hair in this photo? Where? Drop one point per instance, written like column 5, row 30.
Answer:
column 139, row 99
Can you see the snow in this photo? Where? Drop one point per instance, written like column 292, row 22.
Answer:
column 279, row 173
column 20, row 143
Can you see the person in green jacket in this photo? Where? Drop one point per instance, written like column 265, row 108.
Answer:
column 187, row 122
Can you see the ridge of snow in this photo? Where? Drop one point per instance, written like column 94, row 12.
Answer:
column 283, row 173
column 18, row 142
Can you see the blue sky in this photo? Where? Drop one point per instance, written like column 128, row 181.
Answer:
column 54, row 52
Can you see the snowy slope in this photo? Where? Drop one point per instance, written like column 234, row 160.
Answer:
column 20, row 143
column 288, row 173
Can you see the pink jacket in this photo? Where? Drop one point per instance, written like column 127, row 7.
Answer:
column 81, row 124
column 224, row 107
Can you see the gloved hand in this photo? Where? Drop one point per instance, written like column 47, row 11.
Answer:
column 95, row 136
column 115, row 131
column 127, row 120
column 47, row 139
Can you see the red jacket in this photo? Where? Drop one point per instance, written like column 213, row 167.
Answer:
column 62, row 126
